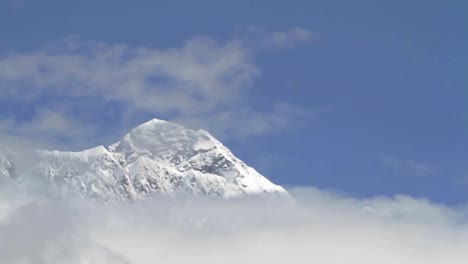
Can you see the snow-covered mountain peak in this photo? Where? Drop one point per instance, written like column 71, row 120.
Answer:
column 157, row 135
column 162, row 140
column 157, row 157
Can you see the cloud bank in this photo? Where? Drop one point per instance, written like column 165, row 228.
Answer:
column 318, row 227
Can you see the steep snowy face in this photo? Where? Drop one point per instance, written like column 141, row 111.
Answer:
column 93, row 173
column 157, row 157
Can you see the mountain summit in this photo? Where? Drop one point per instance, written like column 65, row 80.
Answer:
column 157, row 157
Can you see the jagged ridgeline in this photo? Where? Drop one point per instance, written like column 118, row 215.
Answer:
column 157, row 157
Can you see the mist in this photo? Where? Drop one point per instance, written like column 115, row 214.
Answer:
column 315, row 227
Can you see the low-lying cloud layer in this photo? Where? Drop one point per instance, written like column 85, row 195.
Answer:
column 318, row 227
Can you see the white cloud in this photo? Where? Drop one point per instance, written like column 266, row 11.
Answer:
column 196, row 77
column 319, row 227
column 203, row 80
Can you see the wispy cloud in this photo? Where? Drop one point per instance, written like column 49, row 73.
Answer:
column 407, row 166
column 193, row 78
column 244, row 121
column 262, row 38
column 202, row 80
column 461, row 179
column 46, row 122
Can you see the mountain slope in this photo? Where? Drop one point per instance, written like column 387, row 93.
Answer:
column 157, row 157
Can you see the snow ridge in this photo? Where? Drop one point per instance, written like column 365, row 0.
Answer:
column 157, row 157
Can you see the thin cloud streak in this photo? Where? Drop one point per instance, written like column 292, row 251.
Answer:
column 408, row 167
column 261, row 38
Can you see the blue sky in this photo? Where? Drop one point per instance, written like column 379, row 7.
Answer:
column 363, row 97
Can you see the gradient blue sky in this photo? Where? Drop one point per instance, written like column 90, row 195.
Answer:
column 364, row 97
